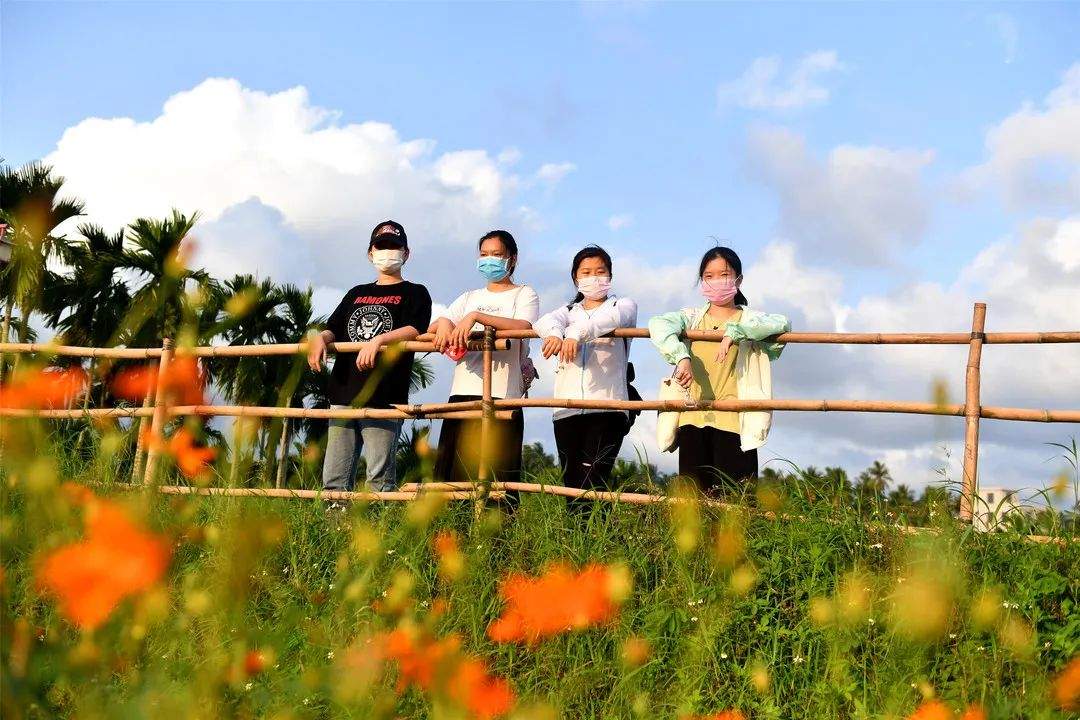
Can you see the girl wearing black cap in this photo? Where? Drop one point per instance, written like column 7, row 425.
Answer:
column 717, row 448
column 504, row 305
column 380, row 313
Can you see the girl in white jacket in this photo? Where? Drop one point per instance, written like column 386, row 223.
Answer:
column 718, row 449
column 591, row 367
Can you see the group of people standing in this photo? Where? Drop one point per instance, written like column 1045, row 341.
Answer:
column 717, row 449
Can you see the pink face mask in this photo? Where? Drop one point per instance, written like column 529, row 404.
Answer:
column 595, row 287
column 719, row 291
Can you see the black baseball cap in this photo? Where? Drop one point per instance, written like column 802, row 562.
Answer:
column 389, row 231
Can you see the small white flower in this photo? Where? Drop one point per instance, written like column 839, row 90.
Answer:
column 693, row 619
column 723, row 656
column 307, row 700
column 330, row 655
column 331, row 586
column 798, row 660
column 877, row 546
column 870, row 621
column 249, row 686
column 952, row 636
column 1046, row 644
column 914, row 686
column 389, row 552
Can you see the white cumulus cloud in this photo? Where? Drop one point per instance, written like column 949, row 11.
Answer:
column 553, row 173
column 284, row 186
column 620, row 222
column 855, row 204
column 761, row 85
column 1033, row 155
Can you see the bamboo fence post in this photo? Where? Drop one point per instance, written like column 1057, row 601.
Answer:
column 140, row 445
column 972, row 413
column 160, row 407
column 483, row 471
column 283, row 454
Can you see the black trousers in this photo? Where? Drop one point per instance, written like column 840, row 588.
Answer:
column 713, row 459
column 588, row 445
column 458, row 458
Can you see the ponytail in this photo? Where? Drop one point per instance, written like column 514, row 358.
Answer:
column 740, row 299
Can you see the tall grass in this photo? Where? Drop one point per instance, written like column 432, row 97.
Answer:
column 819, row 615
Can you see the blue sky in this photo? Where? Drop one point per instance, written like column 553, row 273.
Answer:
column 627, row 96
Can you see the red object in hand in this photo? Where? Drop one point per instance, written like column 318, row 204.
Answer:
column 455, row 353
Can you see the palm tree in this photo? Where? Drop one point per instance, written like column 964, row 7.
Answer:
column 874, row 480
column 837, row 486
column 159, row 304
column 32, row 211
column 902, row 496
column 88, row 304
column 871, row 486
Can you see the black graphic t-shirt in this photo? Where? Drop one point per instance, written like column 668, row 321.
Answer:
column 366, row 311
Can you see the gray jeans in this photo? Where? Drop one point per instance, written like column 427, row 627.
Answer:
column 347, row 439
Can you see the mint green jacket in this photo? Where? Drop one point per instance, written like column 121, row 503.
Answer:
column 753, row 374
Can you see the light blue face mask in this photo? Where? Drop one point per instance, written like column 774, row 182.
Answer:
column 493, row 268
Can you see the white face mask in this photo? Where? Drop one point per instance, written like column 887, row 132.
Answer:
column 388, row 260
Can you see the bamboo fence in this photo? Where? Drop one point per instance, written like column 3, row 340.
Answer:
column 489, row 409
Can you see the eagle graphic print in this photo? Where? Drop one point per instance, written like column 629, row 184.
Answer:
column 367, row 321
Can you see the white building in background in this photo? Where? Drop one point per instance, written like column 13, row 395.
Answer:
column 992, row 506
column 5, row 245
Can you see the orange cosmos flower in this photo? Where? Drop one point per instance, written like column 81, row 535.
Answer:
column 932, row 710
column 974, row 712
column 438, row 666
column 1067, row 686
column 115, row 559
column 48, row 388
column 451, row 560
column 182, row 382
column 189, row 457
column 484, row 695
column 417, row 660
column 558, row 601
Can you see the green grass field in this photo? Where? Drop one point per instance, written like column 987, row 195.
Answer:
column 824, row 616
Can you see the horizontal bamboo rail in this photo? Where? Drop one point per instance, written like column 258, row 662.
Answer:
column 836, row 338
column 332, row 495
column 872, row 406
column 254, row 411
column 472, row 491
column 217, row 350
column 423, row 343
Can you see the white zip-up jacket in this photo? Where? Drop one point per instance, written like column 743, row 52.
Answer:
column 599, row 371
column 753, row 376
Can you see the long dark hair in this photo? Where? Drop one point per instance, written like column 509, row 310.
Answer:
column 508, row 242
column 732, row 259
column 589, row 251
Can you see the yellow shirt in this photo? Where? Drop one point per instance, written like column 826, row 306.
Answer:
column 713, row 380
